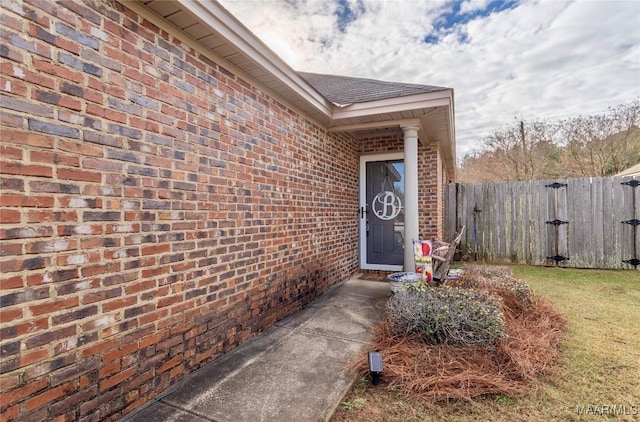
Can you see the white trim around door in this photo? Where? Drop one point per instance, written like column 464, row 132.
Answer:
column 363, row 207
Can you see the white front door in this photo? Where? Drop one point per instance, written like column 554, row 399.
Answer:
column 382, row 212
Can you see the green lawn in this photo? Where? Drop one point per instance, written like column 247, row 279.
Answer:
column 599, row 372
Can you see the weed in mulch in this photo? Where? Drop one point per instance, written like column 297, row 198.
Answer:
column 534, row 329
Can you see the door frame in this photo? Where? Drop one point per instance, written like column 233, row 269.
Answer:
column 364, row 159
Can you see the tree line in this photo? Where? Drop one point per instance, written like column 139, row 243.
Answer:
column 587, row 145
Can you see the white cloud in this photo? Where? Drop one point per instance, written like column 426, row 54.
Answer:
column 539, row 59
column 469, row 6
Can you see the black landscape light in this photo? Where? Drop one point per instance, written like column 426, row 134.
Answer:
column 375, row 366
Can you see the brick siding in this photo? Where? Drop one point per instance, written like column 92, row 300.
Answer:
column 156, row 210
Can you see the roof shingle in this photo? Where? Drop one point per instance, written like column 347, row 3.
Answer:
column 344, row 90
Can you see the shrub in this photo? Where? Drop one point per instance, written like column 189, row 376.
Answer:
column 526, row 335
column 497, row 281
column 454, row 316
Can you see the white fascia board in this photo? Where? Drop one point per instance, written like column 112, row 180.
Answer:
column 452, row 128
column 396, row 104
column 374, row 125
column 451, row 144
column 448, row 149
column 234, row 32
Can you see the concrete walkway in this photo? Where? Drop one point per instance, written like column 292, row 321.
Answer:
column 294, row 371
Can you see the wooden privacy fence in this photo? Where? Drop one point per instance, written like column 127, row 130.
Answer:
column 583, row 223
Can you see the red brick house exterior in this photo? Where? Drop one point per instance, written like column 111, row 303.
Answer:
column 162, row 203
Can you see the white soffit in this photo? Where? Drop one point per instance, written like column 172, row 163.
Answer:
column 212, row 26
column 420, row 103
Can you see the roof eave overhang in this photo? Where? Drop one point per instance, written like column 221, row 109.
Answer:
column 262, row 64
column 427, row 110
column 406, row 103
column 276, row 74
column 228, row 27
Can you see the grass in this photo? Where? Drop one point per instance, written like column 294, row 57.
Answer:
column 600, row 364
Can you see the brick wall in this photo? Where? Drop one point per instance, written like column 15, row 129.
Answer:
column 157, row 210
column 430, row 192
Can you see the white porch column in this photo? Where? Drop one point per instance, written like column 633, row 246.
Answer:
column 410, row 194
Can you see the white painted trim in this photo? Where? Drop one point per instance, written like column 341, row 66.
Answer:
column 216, row 17
column 380, row 267
column 411, row 219
column 363, row 200
column 394, row 105
column 374, row 125
column 142, row 10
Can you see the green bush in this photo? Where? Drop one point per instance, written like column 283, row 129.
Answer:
column 455, row 316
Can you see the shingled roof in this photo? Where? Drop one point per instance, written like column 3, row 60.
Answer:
column 344, row 90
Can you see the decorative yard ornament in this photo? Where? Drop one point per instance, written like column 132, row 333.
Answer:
column 422, row 253
column 386, row 205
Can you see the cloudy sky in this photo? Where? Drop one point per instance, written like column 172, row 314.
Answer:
column 505, row 60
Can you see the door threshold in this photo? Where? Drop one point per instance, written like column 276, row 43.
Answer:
column 380, row 267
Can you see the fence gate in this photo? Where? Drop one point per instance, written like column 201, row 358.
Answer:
column 558, row 232
column 634, row 222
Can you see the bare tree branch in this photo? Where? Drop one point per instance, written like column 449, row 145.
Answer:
column 586, row 145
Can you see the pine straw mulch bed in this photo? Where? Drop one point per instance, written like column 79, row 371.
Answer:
column 442, row 372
